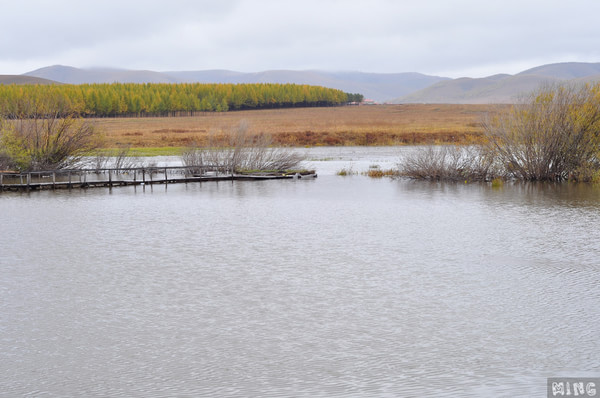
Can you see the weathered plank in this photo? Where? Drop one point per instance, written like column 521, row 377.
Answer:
column 62, row 179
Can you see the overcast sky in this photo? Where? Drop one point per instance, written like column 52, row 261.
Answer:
column 451, row 38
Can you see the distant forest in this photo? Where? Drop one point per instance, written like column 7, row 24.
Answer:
column 151, row 99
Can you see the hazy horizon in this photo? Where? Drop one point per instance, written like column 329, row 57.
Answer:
column 450, row 39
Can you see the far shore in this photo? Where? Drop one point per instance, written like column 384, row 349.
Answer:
column 371, row 125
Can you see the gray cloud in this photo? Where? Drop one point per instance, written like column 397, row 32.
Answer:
column 462, row 37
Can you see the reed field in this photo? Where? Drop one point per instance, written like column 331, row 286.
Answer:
column 345, row 125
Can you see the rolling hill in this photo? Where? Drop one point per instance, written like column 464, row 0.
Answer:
column 70, row 75
column 502, row 88
column 22, row 79
column 565, row 70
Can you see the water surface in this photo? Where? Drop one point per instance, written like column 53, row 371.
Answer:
column 339, row 286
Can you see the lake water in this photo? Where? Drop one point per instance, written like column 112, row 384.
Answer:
column 338, row 286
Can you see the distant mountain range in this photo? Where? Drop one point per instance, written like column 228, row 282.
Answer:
column 502, row 88
column 377, row 86
column 381, row 87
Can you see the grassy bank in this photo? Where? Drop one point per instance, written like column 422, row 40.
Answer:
column 156, row 151
column 349, row 125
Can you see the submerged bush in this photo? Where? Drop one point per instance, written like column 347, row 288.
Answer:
column 377, row 172
column 497, row 183
column 242, row 152
column 449, row 163
column 553, row 135
column 346, row 171
column 116, row 158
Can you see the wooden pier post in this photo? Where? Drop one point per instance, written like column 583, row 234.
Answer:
column 166, row 177
column 70, row 186
column 109, row 179
column 28, row 181
column 54, row 180
column 1, row 185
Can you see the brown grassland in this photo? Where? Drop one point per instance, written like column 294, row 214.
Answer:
column 347, row 125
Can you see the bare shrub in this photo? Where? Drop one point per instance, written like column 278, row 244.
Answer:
column 243, row 152
column 447, row 163
column 46, row 141
column 195, row 156
column 99, row 161
column 124, row 160
column 261, row 155
column 552, row 134
column 426, row 163
column 119, row 158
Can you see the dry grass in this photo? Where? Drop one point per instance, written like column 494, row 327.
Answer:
column 349, row 125
column 379, row 173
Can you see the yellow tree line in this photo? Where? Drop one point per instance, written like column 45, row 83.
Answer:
column 151, row 99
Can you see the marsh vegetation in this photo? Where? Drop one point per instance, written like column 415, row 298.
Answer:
column 46, row 140
column 551, row 135
column 239, row 151
column 327, row 126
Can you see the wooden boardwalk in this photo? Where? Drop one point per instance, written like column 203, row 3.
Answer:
column 90, row 178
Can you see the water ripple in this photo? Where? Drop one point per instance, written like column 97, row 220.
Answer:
column 335, row 287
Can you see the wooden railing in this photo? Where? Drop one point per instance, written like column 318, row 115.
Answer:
column 83, row 178
column 109, row 177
